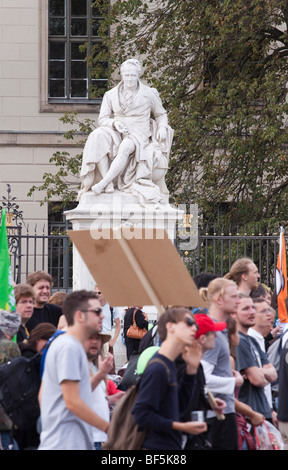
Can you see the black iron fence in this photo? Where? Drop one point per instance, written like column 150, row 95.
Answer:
column 52, row 253
column 215, row 253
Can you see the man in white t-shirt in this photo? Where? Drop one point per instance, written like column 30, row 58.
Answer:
column 99, row 369
column 67, row 417
column 110, row 315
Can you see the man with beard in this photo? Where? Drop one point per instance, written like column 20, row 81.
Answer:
column 245, row 273
column 223, row 299
column 251, row 361
column 99, row 368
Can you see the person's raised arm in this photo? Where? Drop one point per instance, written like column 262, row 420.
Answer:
column 104, row 367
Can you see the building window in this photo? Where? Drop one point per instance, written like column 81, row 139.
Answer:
column 60, row 250
column 73, row 32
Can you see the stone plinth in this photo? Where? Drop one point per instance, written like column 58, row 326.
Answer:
column 115, row 210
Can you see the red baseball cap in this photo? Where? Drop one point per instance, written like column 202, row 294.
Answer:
column 206, row 324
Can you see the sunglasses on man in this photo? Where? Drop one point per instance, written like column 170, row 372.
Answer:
column 97, row 311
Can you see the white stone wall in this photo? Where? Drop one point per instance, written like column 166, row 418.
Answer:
column 28, row 136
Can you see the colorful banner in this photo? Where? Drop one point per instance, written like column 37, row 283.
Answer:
column 7, row 297
column 281, row 279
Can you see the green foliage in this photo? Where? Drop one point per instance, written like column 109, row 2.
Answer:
column 221, row 70
column 63, row 184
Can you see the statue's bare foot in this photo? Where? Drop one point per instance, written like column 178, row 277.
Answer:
column 109, row 188
column 98, row 188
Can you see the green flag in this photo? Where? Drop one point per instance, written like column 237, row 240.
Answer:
column 7, row 297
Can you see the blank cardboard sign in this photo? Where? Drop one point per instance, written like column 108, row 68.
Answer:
column 139, row 267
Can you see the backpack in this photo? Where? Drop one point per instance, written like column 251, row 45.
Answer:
column 150, row 339
column 130, row 375
column 19, row 387
column 123, row 432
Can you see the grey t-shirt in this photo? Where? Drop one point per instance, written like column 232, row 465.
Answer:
column 219, row 357
column 62, row 430
column 249, row 354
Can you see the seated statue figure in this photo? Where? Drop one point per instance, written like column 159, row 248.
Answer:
column 129, row 151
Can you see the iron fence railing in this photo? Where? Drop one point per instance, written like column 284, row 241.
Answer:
column 215, row 253
column 51, row 253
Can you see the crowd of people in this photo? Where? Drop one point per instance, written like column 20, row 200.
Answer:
column 211, row 363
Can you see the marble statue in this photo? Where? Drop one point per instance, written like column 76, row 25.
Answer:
column 129, row 151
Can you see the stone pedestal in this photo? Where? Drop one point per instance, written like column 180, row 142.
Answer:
column 115, row 210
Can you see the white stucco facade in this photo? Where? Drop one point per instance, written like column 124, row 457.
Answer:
column 30, row 129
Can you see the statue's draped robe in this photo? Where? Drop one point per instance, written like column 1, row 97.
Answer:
column 143, row 116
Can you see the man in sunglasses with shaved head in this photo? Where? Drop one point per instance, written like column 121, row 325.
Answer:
column 67, row 418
